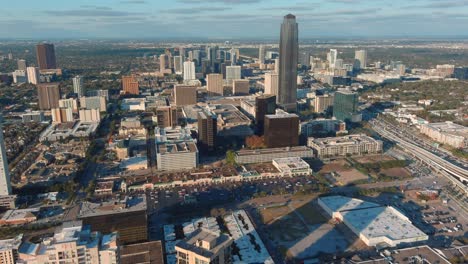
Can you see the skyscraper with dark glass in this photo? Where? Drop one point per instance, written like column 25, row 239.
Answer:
column 289, row 46
column 345, row 106
column 46, row 56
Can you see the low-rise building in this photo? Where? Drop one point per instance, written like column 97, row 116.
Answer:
column 293, row 166
column 133, row 104
column 177, row 156
column 322, row 127
column 19, row 216
column 344, row 146
column 246, row 156
column 374, row 224
column 447, row 133
column 35, row 116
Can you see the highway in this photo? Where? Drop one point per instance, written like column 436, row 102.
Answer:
column 455, row 173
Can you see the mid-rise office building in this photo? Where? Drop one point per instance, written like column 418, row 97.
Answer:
column 233, row 73
column 281, row 130
column 104, row 93
column 94, row 102
column 214, row 84
column 167, row 116
column 204, row 246
column 35, row 116
column 323, row 127
column 78, row 86
column 207, row 129
column 177, row 156
column 62, row 115
column 271, row 83
column 162, row 62
column 345, row 106
column 361, row 59
column 240, row 87
column 185, row 95
column 45, row 54
column 22, row 65
column 130, row 85
column 48, row 95
column 90, row 115
column 261, row 54
column 20, row 76
column 343, row 146
column 9, row 249
column 249, row 156
column 447, row 133
column 33, row 75
column 289, row 46
column 332, row 56
column 264, row 105
column 323, row 103
column 69, row 103
column 5, row 181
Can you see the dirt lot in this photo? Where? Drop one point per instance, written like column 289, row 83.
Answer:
column 397, row 172
column 336, row 165
column 373, row 158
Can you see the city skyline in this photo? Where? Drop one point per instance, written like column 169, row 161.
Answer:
column 231, row 19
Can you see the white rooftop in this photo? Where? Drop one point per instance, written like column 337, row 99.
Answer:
column 342, row 203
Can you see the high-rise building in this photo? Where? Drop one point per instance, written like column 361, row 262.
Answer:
column 185, row 95
column 48, row 95
column 69, row 103
column 207, row 130
column 33, row 75
column 213, row 54
column 22, row 65
column 361, row 59
column 62, row 115
column 94, row 102
column 323, row 103
column 331, row 57
column 46, row 56
column 78, row 86
column 178, row 66
column 271, row 83
column 264, row 105
column 5, row 184
column 162, row 62
column 240, row 87
column 90, row 115
column 130, row 85
column 339, row 64
column 189, row 71
column 277, row 66
column 166, row 116
column 197, row 56
column 345, row 106
column 261, row 54
column 233, row 73
column 281, row 130
column 289, row 46
column 214, row 84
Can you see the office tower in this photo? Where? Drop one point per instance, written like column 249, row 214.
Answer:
column 221, row 55
column 182, row 52
column 162, row 62
column 233, row 73
column 197, row 56
column 69, row 103
column 361, row 59
column 281, row 130
column 104, row 93
column 233, row 56
column 339, row 64
column 78, row 86
column 261, row 54
column 223, row 70
column 10, row 56
column 21, row 65
column 90, row 115
column 331, row 57
column 277, row 65
column 185, row 95
column 61, row 115
column 271, row 83
column 304, row 58
column 207, row 130
column 213, row 58
column 214, row 84
column 33, row 75
column 287, row 90
column 130, row 85
column 94, row 102
column 240, row 87
column 46, row 56
column 190, row 55
column 401, row 69
column 264, row 105
column 166, row 116
column 345, row 106
column 189, row 71
column 48, row 95
column 5, row 184
column 178, row 66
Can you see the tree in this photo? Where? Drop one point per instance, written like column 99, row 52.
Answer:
column 255, row 142
column 231, row 157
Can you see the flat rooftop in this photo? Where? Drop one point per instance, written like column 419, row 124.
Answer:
column 247, row 152
column 13, row 243
column 217, row 242
column 113, row 206
column 291, row 163
column 229, row 114
column 344, row 140
column 343, row 203
column 450, row 128
column 175, row 148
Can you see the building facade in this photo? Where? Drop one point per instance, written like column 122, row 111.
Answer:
column 130, row 85
column 281, row 130
column 49, row 95
column 344, row 146
column 45, row 54
column 185, row 95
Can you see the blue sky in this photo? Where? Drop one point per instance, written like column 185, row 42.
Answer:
column 230, row 18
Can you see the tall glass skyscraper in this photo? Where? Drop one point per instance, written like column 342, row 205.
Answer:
column 345, row 106
column 5, row 185
column 289, row 46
